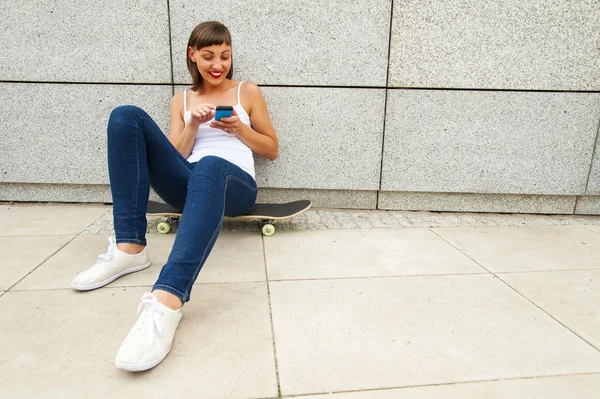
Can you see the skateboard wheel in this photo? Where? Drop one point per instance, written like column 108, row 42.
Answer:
column 268, row 230
column 163, row 227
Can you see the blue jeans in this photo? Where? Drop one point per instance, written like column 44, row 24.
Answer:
column 140, row 156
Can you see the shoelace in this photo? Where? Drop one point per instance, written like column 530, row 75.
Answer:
column 152, row 315
column 112, row 246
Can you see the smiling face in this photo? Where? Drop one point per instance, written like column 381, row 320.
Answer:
column 213, row 62
column 209, row 55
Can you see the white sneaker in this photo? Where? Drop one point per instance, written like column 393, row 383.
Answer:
column 150, row 339
column 109, row 267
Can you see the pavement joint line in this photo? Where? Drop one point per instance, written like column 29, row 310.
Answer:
column 312, row 279
column 444, row 384
column 274, row 281
column 543, row 310
column 40, row 236
column 551, row 270
column 137, row 286
column 380, row 277
column 271, row 319
column 526, row 298
column 42, row 262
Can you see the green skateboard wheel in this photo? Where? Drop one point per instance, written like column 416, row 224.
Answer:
column 163, row 227
column 268, row 230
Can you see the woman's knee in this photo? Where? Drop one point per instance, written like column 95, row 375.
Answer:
column 209, row 165
column 125, row 114
column 208, row 170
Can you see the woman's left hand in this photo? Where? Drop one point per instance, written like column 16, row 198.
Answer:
column 230, row 125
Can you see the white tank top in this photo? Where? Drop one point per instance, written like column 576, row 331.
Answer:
column 213, row 141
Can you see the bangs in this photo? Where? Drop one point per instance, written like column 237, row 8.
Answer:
column 209, row 36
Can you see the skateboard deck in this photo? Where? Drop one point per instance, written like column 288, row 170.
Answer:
column 267, row 213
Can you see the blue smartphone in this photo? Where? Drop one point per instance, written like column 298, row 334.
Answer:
column 223, row 111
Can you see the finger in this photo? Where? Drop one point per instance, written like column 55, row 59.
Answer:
column 209, row 114
column 231, row 128
column 201, row 112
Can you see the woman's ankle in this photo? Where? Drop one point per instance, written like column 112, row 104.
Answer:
column 169, row 300
column 130, row 248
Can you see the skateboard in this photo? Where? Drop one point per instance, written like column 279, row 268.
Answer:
column 268, row 214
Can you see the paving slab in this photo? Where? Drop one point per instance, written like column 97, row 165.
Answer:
column 343, row 335
column 569, row 386
column 21, row 255
column 530, row 248
column 51, row 219
column 64, row 344
column 236, row 257
column 572, row 297
column 362, row 253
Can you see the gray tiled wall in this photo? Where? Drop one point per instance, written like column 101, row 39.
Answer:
column 482, row 105
column 510, row 44
column 330, row 138
column 85, row 41
column 56, row 133
column 489, row 142
column 294, row 42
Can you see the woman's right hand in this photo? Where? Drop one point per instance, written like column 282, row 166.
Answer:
column 202, row 113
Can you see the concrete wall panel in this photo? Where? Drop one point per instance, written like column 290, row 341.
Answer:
column 588, row 205
column 512, row 44
column 496, row 203
column 294, row 42
column 489, row 142
column 593, row 186
column 56, row 133
column 85, row 41
column 328, row 138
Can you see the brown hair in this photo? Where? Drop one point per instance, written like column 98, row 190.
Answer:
column 206, row 34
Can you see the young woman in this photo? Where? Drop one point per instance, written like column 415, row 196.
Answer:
column 205, row 168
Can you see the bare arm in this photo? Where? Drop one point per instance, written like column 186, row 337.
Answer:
column 260, row 137
column 182, row 136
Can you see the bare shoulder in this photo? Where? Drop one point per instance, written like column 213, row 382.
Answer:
column 178, row 98
column 251, row 96
column 177, row 104
column 251, row 90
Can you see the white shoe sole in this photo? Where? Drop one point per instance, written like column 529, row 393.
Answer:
column 140, row 367
column 110, row 279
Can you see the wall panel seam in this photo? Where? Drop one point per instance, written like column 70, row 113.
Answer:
column 587, row 183
column 387, row 83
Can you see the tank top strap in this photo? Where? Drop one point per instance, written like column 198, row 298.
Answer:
column 238, row 94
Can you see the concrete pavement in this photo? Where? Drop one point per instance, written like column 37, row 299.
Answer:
column 337, row 304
